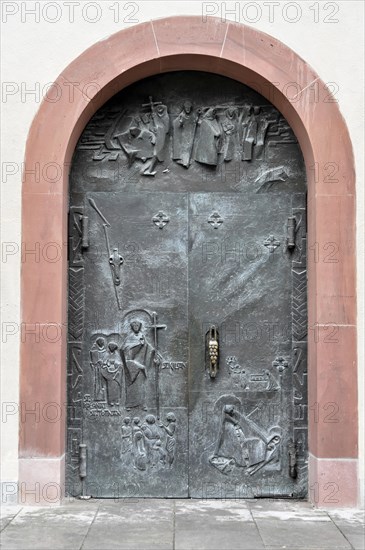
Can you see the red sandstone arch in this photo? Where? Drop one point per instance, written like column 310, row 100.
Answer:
column 278, row 73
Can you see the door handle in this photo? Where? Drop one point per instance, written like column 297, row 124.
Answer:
column 213, row 351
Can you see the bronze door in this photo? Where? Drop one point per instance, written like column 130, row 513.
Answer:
column 243, row 409
column 187, row 296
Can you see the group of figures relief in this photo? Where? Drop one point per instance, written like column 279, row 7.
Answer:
column 209, row 135
column 149, row 444
column 124, row 365
column 125, row 368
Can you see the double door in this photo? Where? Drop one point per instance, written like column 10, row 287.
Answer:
column 188, row 378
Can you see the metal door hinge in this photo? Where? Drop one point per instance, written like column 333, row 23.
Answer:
column 292, row 451
column 82, row 460
column 85, row 231
column 291, row 232
column 78, row 232
column 83, row 468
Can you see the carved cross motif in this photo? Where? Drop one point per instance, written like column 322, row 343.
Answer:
column 215, row 220
column 271, row 243
column 160, row 220
column 116, row 261
column 280, row 363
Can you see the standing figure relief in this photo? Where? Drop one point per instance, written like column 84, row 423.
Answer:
column 139, row 357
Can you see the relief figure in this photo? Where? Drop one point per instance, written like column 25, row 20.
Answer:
column 249, row 134
column 230, row 449
column 184, row 128
column 170, row 428
column 160, row 126
column 230, row 134
column 146, row 138
column 139, row 450
column 111, row 372
column 263, row 124
column 161, row 123
column 238, row 373
column 155, row 452
column 138, row 355
column 137, row 142
column 98, row 353
column 242, row 443
column 209, row 136
column 126, row 435
column 272, row 383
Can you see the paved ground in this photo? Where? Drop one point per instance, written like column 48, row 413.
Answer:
column 180, row 525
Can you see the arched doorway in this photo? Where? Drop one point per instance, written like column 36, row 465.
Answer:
column 187, row 309
column 186, row 43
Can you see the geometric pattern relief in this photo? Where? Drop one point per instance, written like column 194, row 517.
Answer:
column 76, row 375
column 73, row 442
column 299, row 259
column 74, row 415
column 76, row 302
column 299, row 304
column 299, row 349
column 300, row 382
column 74, row 438
column 300, row 427
column 301, row 487
column 75, row 235
column 300, row 253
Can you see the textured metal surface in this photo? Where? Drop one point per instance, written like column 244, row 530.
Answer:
column 187, row 210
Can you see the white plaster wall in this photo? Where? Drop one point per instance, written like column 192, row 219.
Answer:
column 37, row 47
